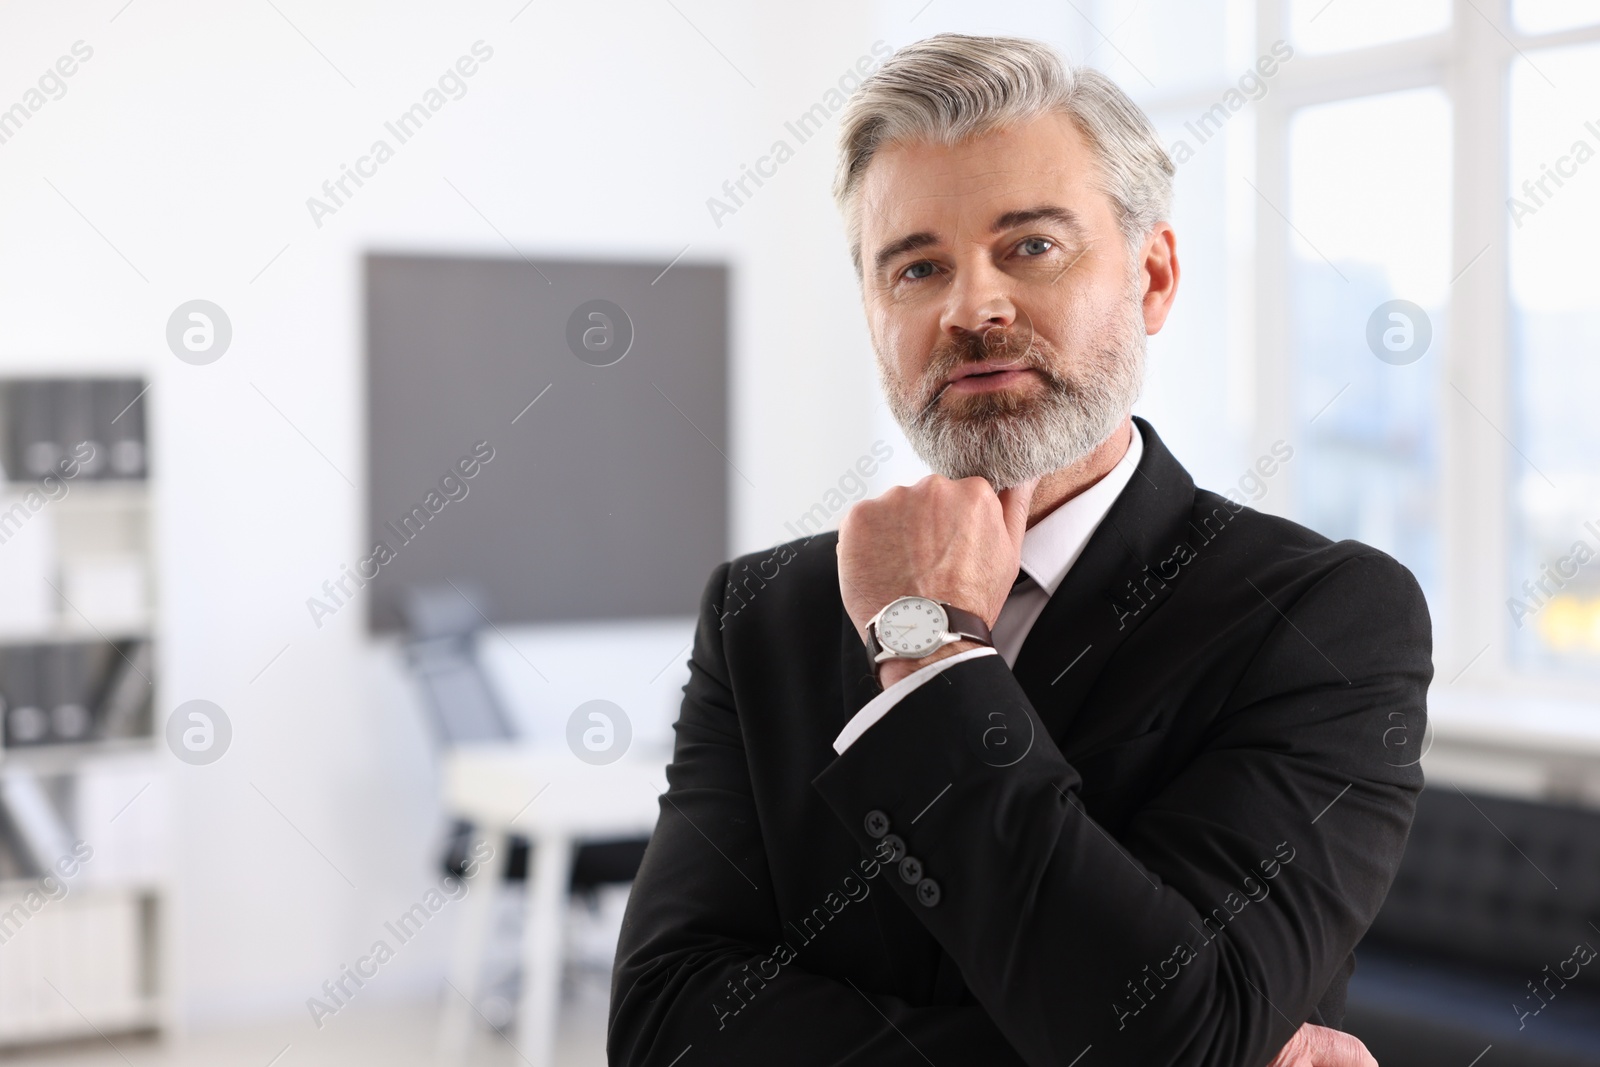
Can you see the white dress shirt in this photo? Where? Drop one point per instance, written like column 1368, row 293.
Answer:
column 1049, row 549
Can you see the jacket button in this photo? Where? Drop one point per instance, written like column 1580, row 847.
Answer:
column 877, row 824
column 897, row 847
column 911, row 870
column 927, row 892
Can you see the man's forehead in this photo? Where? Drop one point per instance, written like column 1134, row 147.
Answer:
column 923, row 186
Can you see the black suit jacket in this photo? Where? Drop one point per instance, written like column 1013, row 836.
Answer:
column 1157, row 839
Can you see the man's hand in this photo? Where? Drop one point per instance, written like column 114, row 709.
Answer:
column 952, row 540
column 1317, row 1046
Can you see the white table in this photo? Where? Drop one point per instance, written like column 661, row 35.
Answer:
column 557, row 802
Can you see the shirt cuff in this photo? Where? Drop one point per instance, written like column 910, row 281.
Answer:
column 879, row 706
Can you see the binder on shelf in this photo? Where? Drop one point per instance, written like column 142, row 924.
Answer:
column 26, row 721
column 75, row 426
column 120, row 422
column 67, row 680
column 36, row 826
column 32, row 450
column 126, row 695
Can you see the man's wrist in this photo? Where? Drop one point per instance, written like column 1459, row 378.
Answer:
column 891, row 671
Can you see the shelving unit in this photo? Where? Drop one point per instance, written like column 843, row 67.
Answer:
column 85, row 908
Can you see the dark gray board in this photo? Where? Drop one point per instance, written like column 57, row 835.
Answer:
column 606, row 499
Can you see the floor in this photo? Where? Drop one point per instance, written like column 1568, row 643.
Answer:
column 392, row 1035
column 395, row 1034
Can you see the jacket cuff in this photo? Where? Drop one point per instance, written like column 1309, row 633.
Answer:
column 879, row 706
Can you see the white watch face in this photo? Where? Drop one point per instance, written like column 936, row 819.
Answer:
column 912, row 626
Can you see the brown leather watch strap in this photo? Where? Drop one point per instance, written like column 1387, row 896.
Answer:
column 967, row 624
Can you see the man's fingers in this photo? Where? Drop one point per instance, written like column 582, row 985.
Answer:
column 1334, row 1048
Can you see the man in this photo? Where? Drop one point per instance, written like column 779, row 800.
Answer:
column 1050, row 758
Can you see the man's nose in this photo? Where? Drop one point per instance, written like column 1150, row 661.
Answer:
column 978, row 300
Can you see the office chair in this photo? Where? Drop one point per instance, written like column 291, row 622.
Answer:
column 441, row 652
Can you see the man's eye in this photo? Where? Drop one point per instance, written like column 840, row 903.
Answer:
column 1036, row 246
column 916, row 271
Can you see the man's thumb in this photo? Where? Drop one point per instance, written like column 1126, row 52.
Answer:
column 1014, row 506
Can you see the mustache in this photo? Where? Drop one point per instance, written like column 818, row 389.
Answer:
column 1000, row 348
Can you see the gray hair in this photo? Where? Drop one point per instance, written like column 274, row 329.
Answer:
column 951, row 86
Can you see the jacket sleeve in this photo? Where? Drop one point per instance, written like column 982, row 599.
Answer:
column 702, row 914
column 1205, row 934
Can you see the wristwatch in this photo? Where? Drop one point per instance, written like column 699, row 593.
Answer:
column 914, row 626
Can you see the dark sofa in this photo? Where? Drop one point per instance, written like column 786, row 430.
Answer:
column 1489, row 943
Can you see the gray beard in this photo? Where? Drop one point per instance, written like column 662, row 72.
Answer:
column 1008, row 440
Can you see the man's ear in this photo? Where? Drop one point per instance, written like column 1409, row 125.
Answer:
column 1158, row 268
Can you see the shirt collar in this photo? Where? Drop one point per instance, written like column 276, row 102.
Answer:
column 1054, row 543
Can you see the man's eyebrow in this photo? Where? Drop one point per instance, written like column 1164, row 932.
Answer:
column 1008, row 221
column 1043, row 213
column 909, row 243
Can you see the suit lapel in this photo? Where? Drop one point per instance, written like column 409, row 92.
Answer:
column 1109, row 592
column 1061, row 658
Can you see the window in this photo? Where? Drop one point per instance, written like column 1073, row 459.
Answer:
column 1341, row 25
column 1387, row 250
column 1370, row 262
column 1553, row 605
